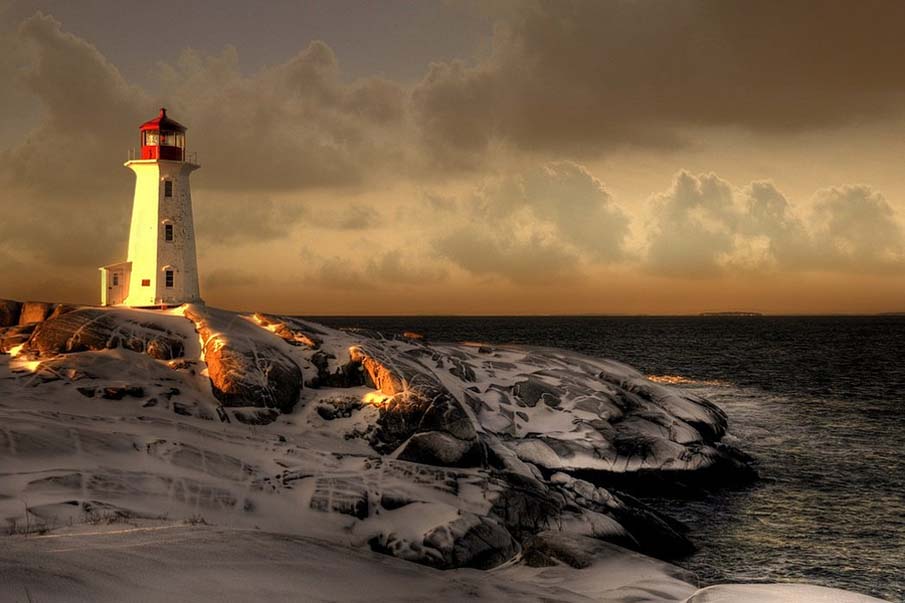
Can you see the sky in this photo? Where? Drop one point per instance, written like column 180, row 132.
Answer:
column 472, row 157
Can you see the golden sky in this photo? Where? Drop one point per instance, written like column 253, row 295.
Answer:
column 471, row 158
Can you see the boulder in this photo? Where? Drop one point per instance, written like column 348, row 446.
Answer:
column 344, row 495
column 548, row 548
column 468, row 540
column 262, row 377
column 388, row 381
column 9, row 312
column 473, row 541
column 244, row 368
column 89, row 329
column 440, row 448
column 11, row 337
column 289, row 330
column 33, row 311
column 420, row 404
column 61, row 309
column 346, row 375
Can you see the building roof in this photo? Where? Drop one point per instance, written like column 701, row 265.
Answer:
column 162, row 122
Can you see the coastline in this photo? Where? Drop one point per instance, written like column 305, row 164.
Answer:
column 307, row 472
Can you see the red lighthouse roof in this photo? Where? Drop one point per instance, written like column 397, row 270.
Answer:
column 162, row 138
column 162, row 122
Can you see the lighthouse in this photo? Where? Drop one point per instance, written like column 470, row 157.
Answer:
column 161, row 267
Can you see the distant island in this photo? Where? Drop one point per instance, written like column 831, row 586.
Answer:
column 730, row 314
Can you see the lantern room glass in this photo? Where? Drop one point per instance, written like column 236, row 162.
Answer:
column 153, row 138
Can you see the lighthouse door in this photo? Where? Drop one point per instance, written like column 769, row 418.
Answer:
column 115, row 287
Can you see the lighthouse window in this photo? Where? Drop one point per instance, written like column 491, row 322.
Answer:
column 168, row 232
column 167, row 188
column 151, row 138
column 169, row 278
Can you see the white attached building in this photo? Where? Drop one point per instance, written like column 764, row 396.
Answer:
column 162, row 267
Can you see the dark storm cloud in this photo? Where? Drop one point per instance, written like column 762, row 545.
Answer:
column 301, row 142
column 295, row 126
column 85, row 102
column 58, row 178
column 586, row 76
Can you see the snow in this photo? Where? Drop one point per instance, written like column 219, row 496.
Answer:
column 203, row 563
column 156, row 561
column 104, row 486
column 776, row 593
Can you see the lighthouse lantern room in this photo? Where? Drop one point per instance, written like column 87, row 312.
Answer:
column 161, row 267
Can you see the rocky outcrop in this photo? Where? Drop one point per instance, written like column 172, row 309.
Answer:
column 244, row 368
column 97, row 329
column 34, row 311
column 422, row 421
column 9, row 312
column 13, row 313
column 11, row 337
column 447, row 455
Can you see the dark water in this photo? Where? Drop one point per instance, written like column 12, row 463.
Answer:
column 818, row 401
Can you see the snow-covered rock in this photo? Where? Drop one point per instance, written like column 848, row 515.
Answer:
column 245, row 369
column 449, row 455
column 91, row 329
column 776, row 593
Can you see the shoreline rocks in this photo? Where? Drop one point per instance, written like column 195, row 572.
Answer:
column 448, row 455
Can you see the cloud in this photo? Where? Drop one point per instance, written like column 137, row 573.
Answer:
column 229, row 278
column 694, row 225
column 366, row 170
column 85, row 101
column 396, row 267
column 541, row 223
column 294, row 126
column 584, row 77
column 382, row 270
column 526, row 259
column 246, row 219
column 703, row 226
column 855, row 228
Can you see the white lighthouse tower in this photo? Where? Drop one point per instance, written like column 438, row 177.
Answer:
column 161, row 268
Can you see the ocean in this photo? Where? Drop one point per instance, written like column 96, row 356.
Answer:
column 819, row 402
